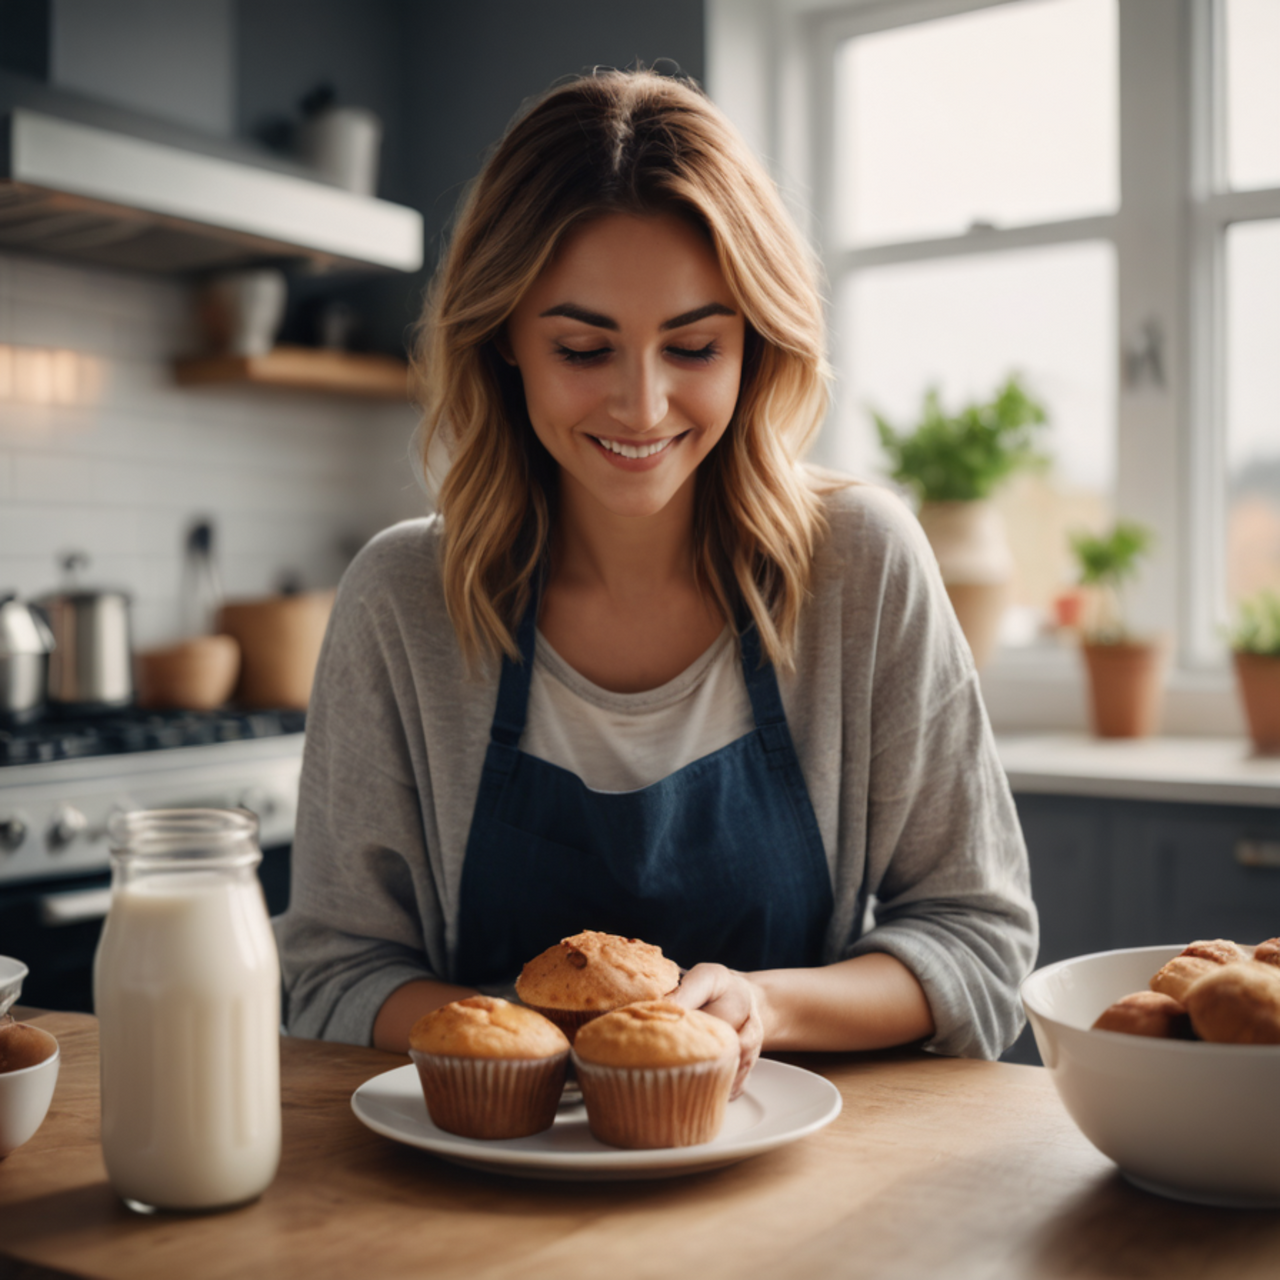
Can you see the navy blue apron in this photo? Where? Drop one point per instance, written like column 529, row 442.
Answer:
column 720, row 861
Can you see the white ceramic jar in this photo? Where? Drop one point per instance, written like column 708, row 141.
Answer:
column 187, row 994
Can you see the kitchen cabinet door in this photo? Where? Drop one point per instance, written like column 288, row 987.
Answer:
column 1181, row 872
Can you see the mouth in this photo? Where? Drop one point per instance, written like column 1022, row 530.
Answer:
column 636, row 452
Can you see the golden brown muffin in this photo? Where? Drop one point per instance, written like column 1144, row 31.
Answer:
column 590, row 973
column 1146, row 1013
column 1219, row 950
column 1268, row 952
column 655, row 1074
column 1237, row 1004
column 23, row 1046
column 489, row 1069
column 1180, row 974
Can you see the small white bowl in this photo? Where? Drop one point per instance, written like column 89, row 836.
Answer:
column 25, row 1096
column 1182, row 1118
column 12, row 973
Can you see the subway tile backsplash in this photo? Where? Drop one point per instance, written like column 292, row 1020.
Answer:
column 101, row 451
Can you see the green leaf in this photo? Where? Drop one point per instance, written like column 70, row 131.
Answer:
column 965, row 456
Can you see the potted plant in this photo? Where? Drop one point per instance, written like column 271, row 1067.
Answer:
column 1255, row 646
column 1125, row 672
column 953, row 463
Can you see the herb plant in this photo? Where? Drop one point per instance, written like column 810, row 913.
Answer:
column 1107, row 561
column 964, row 456
column 1257, row 626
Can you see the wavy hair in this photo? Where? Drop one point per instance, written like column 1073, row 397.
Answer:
column 643, row 144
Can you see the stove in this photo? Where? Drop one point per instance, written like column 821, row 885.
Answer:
column 60, row 782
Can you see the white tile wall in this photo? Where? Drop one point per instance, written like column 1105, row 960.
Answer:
column 292, row 481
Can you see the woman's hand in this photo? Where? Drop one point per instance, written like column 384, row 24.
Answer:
column 732, row 996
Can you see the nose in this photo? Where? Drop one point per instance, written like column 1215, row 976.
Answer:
column 638, row 398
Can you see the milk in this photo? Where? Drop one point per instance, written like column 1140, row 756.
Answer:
column 186, row 989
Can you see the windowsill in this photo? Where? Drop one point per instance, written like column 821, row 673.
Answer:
column 1043, row 690
column 1203, row 770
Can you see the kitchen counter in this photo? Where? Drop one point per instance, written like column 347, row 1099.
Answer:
column 1191, row 770
column 935, row 1167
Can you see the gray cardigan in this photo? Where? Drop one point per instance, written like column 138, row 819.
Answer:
column 926, row 857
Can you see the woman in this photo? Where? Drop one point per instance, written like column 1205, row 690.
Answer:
column 644, row 673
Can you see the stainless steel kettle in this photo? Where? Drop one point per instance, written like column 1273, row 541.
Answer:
column 25, row 642
column 91, row 667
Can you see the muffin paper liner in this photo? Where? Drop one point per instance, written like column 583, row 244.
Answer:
column 491, row 1098
column 640, row 1107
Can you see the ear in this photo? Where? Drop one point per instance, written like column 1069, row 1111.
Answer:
column 503, row 346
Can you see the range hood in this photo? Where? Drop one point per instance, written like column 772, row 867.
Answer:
column 74, row 184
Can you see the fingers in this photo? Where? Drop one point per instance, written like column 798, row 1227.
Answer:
column 729, row 995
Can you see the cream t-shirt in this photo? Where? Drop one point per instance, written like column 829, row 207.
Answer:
column 625, row 741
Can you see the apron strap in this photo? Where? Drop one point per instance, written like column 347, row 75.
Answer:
column 762, row 689
column 513, row 687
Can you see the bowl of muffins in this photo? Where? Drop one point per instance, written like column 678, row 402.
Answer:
column 1168, row 1060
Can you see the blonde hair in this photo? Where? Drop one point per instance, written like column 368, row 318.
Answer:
column 638, row 143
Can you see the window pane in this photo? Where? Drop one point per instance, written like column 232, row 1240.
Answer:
column 963, row 325
column 1005, row 116
column 1253, row 93
column 1253, row 409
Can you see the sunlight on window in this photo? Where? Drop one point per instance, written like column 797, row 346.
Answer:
column 963, row 325
column 1005, row 116
column 1252, row 93
column 1253, row 409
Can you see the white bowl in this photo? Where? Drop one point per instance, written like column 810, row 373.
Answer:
column 24, row 1099
column 12, row 973
column 1182, row 1118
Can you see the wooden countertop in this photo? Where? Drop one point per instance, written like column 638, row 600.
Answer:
column 935, row 1167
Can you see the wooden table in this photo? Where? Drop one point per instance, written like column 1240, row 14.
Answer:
column 935, row 1168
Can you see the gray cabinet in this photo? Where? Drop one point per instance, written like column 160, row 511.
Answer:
column 1128, row 873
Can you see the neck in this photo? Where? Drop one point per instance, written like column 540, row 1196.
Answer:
column 627, row 556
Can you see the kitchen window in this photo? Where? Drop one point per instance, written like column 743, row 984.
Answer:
column 1084, row 190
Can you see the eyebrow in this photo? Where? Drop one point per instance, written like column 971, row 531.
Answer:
column 598, row 321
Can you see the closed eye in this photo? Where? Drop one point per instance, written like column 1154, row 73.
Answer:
column 570, row 356
column 700, row 354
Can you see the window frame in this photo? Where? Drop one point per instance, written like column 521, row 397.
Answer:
column 771, row 66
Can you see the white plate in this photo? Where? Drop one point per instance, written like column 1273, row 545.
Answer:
column 780, row 1104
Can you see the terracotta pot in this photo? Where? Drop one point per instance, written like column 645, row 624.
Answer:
column 1258, row 679
column 280, row 638
column 968, row 539
column 196, row 675
column 1125, row 687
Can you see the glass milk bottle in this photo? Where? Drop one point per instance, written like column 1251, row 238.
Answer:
column 186, row 987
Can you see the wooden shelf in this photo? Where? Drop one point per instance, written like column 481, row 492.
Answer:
column 302, row 369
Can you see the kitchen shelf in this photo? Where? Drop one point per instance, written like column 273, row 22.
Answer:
column 302, row 369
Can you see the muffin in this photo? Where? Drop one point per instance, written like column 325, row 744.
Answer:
column 1237, row 1004
column 1146, row 1013
column 1177, row 977
column 584, row 976
column 489, row 1069
column 1268, row 952
column 655, row 1074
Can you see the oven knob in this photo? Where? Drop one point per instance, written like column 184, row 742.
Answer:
column 13, row 831
column 67, row 823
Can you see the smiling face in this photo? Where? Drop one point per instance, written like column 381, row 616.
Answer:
column 629, row 346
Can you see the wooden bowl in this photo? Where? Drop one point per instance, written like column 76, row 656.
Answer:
column 196, row 675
